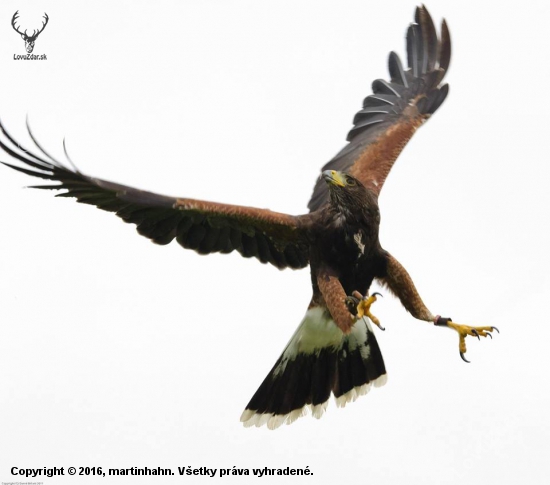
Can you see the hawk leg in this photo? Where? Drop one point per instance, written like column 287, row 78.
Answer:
column 463, row 331
column 334, row 297
column 359, row 306
column 400, row 283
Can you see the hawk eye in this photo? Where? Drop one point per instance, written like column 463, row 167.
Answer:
column 350, row 181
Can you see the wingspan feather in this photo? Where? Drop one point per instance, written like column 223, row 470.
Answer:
column 206, row 227
column 397, row 108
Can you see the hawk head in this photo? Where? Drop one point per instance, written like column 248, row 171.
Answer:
column 350, row 197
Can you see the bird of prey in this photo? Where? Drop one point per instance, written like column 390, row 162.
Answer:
column 334, row 349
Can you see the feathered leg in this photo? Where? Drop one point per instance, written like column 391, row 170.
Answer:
column 335, row 299
column 398, row 281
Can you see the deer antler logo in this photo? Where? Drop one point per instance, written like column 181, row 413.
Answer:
column 29, row 39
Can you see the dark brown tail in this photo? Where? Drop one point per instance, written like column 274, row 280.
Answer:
column 318, row 360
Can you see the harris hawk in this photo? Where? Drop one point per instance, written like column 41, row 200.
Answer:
column 334, row 349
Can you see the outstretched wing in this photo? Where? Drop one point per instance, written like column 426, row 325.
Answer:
column 397, row 108
column 206, row 227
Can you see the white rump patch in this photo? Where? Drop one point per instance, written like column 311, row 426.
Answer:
column 317, row 331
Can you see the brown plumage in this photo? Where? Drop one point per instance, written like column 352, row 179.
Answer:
column 399, row 282
column 396, row 109
column 330, row 352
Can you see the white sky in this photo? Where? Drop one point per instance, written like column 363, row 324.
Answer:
column 115, row 352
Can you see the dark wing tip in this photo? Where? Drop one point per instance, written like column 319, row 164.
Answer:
column 438, row 99
column 397, row 73
column 429, row 35
column 425, row 52
column 428, row 58
column 414, row 49
column 19, row 152
column 444, row 55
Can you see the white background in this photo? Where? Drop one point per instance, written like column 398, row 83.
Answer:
column 115, row 352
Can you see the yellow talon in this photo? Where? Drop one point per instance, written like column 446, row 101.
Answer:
column 363, row 308
column 465, row 330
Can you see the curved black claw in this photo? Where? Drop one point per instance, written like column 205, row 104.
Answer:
column 351, row 302
column 495, row 328
column 489, row 335
column 474, row 331
column 377, row 324
column 464, row 358
column 377, row 294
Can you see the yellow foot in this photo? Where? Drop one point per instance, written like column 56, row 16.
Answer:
column 464, row 331
column 361, row 306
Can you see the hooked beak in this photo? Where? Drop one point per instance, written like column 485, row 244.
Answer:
column 333, row 177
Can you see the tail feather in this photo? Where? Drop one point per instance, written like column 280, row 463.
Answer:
column 318, row 360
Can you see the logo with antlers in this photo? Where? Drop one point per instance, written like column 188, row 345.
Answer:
column 29, row 39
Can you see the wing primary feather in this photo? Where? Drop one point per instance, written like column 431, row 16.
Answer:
column 386, row 123
column 421, row 104
column 26, row 171
column 379, row 100
column 363, row 126
column 429, row 34
column 371, row 112
column 38, row 145
column 30, row 163
column 44, row 187
column 205, row 227
column 22, row 148
column 69, row 158
column 395, row 67
column 380, row 86
column 423, row 46
column 438, row 99
column 444, row 54
column 433, row 78
column 412, row 49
